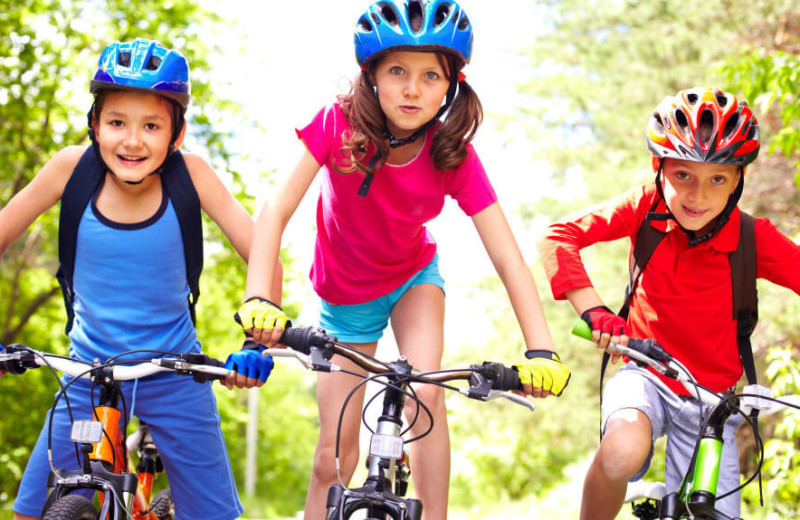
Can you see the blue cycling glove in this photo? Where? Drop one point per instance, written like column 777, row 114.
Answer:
column 250, row 363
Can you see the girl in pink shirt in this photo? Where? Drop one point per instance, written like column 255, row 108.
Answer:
column 390, row 151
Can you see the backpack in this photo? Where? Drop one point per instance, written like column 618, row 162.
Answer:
column 743, row 279
column 78, row 192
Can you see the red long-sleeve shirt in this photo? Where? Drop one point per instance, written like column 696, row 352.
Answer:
column 684, row 296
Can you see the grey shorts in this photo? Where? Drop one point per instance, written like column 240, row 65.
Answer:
column 680, row 420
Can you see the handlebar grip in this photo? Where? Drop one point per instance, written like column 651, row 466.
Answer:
column 582, row 329
column 16, row 366
column 302, row 339
column 507, row 379
column 502, row 377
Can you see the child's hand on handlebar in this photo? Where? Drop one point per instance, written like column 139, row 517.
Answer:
column 607, row 328
column 262, row 320
column 252, row 369
column 544, row 374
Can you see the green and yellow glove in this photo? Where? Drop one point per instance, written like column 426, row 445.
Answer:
column 545, row 371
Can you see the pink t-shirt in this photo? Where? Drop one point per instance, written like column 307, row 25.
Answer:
column 368, row 246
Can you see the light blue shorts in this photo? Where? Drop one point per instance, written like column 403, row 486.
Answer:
column 679, row 419
column 188, row 437
column 365, row 322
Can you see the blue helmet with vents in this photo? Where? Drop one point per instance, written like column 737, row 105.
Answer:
column 414, row 25
column 143, row 65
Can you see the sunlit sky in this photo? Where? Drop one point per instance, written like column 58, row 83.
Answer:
column 285, row 60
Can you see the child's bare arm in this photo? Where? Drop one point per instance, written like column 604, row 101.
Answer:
column 38, row 196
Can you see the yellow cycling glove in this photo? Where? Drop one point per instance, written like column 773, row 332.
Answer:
column 258, row 313
column 545, row 371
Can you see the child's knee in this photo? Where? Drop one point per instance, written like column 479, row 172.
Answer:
column 626, row 444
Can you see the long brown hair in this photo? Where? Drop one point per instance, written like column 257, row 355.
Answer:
column 368, row 124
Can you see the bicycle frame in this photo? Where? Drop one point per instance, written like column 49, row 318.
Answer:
column 314, row 349
column 106, row 466
column 104, row 455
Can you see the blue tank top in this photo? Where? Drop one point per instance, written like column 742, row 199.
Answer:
column 130, row 287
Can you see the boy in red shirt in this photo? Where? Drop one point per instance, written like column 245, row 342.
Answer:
column 701, row 140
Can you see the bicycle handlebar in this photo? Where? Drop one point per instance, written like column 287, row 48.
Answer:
column 18, row 358
column 313, row 348
column 647, row 352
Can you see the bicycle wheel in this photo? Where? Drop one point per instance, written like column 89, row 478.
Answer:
column 71, row 507
column 161, row 506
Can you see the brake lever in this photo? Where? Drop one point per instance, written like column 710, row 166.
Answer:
column 315, row 362
column 494, row 394
column 644, row 361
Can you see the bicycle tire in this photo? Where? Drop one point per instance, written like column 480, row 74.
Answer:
column 71, row 507
column 162, row 505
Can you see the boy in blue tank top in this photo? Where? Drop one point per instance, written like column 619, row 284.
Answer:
column 128, row 285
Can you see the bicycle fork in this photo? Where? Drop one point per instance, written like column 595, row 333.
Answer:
column 698, row 491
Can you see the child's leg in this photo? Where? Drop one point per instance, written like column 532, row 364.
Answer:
column 418, row 323
column 625, row 447
column 634, row 416
column 183, row 420
column 332, row 390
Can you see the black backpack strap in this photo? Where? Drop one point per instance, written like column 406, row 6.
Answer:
column 745, row 294
column 82, row 184
column 186, row 202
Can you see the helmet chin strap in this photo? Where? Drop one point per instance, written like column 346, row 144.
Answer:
column 721, row 219
column 179, row 121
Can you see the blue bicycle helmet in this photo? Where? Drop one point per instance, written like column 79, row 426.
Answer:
column 436, row 25
column 143, row 65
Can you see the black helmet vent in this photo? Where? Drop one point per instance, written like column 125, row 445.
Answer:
column 730, row 126
column 681, row 120
column 441, row 14
column 389, row 13
column 722, row 100
column 659, row 123
column 153, row 63
column 415, row 16
column 705, row 125
column 124, row 59
column 691, row 97
column 463, row 22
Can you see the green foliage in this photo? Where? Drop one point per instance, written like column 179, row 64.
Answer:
column 771, row 78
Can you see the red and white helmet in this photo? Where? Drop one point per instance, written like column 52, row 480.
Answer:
column 704, row 125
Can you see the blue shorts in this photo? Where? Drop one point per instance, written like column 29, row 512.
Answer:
column 365, row 322
column 183, row 419
column 679, row 418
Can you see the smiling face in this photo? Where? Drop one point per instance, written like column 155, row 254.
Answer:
column 411, row 88
column 133, row 132
column 696, row 192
